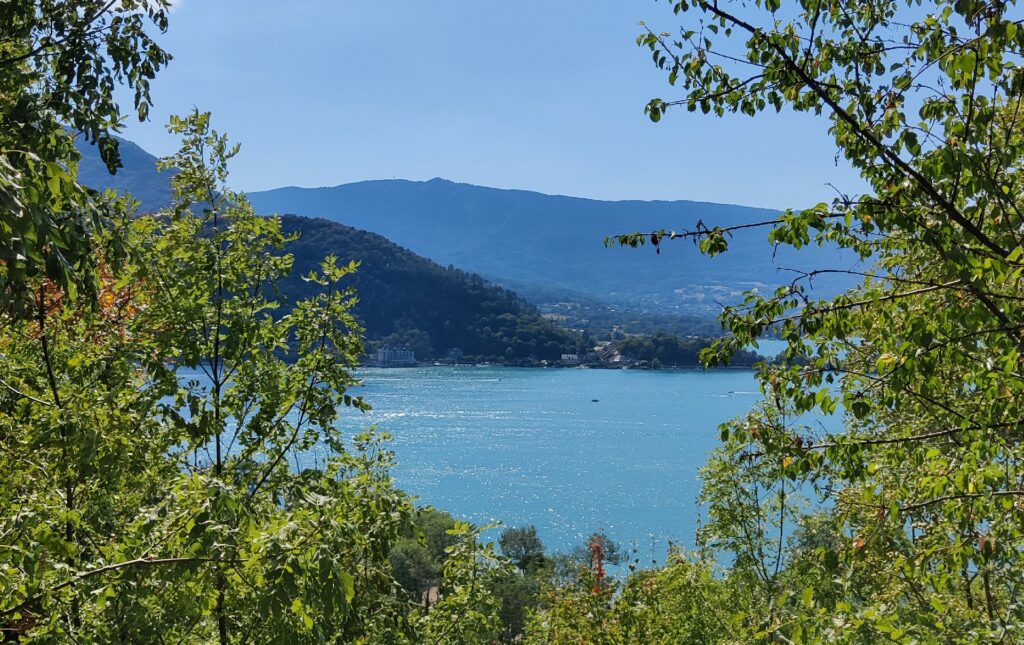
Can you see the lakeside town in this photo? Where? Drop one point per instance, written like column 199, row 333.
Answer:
column 604, row 354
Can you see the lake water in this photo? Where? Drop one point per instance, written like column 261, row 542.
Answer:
column 531, row 446
column 570, row 451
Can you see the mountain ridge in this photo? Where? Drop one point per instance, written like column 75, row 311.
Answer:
column 534, row 241
column 445, row 180
column 138, row 174
column 537, row 243
column 406, row 299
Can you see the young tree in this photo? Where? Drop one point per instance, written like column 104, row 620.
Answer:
column 285, row 537
column 521, row 545
column 468, row 611
column 172, row 461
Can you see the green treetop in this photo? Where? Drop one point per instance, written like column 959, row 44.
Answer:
column 173, row 463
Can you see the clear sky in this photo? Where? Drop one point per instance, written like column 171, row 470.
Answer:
column 543, row 95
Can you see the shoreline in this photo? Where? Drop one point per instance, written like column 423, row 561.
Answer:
column 663, row 368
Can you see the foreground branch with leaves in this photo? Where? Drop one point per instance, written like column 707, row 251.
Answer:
column 905, row 522
column 60, row 63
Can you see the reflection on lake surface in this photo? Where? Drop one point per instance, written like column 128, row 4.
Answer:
column 531, row 446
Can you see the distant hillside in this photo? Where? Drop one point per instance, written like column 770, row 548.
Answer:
column 138, row 175
column 538, row 244
column 409, row 299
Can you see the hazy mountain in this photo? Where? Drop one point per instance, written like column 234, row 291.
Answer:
column 138, row 174
column 543, row 244
column 548, row 247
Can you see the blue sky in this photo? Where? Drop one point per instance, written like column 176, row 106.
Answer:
column 543, row 95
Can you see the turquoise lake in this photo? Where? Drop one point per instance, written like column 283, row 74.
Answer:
column 531, row 446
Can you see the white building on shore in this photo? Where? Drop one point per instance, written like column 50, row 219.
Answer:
column 392, row 356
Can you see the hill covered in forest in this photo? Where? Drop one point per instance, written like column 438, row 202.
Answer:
column 137, row 175
column 407, row 299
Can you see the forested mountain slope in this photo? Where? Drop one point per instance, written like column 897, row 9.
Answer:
column 137, row 175
column 409, row 299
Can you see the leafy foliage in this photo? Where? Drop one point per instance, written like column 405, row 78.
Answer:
column 680, row 603
column 467, row 611
column 417, row 560
column 59, row 65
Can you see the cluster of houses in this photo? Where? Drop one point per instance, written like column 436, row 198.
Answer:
column 604, row 355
